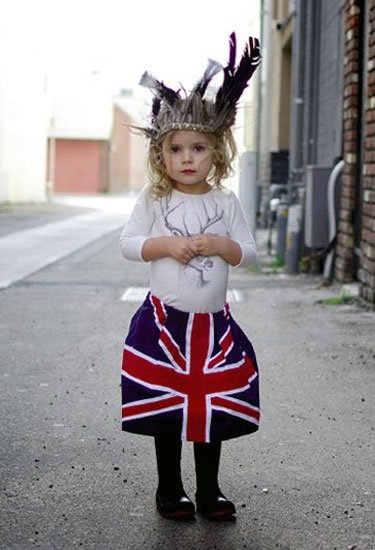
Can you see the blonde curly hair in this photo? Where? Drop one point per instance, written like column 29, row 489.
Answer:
column 224, row 152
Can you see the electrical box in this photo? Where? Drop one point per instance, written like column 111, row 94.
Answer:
column 316, row 206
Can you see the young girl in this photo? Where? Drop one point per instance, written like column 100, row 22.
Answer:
column 189, row 372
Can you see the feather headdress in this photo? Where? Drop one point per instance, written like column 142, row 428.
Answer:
column 170, row 111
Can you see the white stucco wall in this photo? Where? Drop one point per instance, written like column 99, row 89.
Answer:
column 23, row 108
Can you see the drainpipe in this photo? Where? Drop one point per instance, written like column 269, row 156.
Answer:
column 297, row 98
column 332, row 225
column 259, row 117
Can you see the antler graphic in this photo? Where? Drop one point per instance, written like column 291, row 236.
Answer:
column 167, row 211
column 182, row 229
column 211, row 220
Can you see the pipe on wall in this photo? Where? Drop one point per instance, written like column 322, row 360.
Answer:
column 332, row 225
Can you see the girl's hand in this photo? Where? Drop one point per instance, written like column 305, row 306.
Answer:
column 182, row 249
column 208, row 244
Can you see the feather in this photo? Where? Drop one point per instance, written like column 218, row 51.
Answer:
column 235, row 80
column 232, row 52
column 156, row 103
column 149, row 81
column 193, row 110
column 212, row 69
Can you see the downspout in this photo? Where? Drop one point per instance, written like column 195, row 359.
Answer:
column 259, row 117
column 332, row 225
column 296, row 167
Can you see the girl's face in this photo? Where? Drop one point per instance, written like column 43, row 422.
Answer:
column 188, row 157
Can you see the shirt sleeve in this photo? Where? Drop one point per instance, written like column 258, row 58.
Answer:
column 240, row 232
column 138, row 227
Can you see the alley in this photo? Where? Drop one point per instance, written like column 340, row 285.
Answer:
column 72, row 479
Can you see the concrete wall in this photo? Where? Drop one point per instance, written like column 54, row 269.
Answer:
column 329, row 130
column 275, row 87
column 317, row 85
column 250, row 96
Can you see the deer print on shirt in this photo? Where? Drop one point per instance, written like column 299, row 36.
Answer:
column 196, row 271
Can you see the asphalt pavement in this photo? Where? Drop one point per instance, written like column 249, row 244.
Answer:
column 71, row 479
column 35, row 235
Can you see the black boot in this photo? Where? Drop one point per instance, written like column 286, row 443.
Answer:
column 211, row 503
column 171, row 499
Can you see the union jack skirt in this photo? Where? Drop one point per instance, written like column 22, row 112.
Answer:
column 191, row 375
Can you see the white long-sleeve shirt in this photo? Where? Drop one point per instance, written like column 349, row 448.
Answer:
column 199, row 286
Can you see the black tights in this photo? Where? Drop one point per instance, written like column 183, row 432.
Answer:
column 168, row 458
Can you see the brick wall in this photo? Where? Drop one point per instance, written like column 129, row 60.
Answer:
column 344, row 265
column 367, row 269
column 353, row 202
